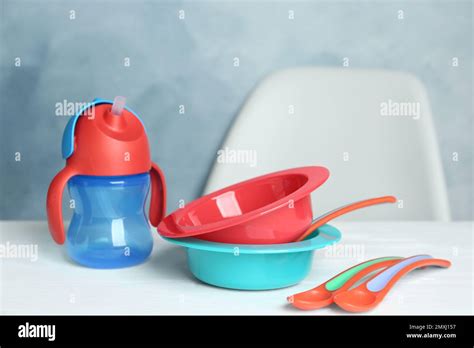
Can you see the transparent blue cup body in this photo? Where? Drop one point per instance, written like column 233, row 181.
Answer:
column 109, row 228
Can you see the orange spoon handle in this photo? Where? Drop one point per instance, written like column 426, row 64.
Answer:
column 383, row 286
column 358, row 276
column 318, row 222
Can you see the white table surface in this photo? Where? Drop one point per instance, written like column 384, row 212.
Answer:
column 163, row 285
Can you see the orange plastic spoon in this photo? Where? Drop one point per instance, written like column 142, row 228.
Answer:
column 323, row 219
column 369, row 294
column 322, row 295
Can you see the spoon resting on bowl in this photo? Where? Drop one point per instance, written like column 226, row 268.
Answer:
column 325, row 218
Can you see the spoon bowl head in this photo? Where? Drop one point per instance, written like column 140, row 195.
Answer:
column 312, row 299
column 356, row 300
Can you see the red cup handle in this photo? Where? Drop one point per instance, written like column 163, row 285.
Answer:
column 158, row 195
column 54, row 203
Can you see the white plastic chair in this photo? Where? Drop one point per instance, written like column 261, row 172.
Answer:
column 347, row 121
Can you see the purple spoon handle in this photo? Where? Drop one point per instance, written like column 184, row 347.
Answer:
column 381, row 280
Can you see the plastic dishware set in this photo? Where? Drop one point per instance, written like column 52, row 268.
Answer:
column 258, row 234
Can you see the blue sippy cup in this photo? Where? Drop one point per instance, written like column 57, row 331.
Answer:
column 108, row 173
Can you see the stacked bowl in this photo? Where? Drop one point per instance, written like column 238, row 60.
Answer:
column 243, row 236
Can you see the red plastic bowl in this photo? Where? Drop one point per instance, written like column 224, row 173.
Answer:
column 273, row 208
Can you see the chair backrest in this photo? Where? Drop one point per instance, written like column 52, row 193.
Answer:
column 371, row 128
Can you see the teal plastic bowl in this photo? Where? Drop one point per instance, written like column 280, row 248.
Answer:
column 252, row 266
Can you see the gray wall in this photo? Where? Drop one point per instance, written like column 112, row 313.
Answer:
column 190, row 62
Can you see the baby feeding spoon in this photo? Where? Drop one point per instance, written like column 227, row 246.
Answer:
column 323, row 219
column 322, row 295
column 369, row 294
